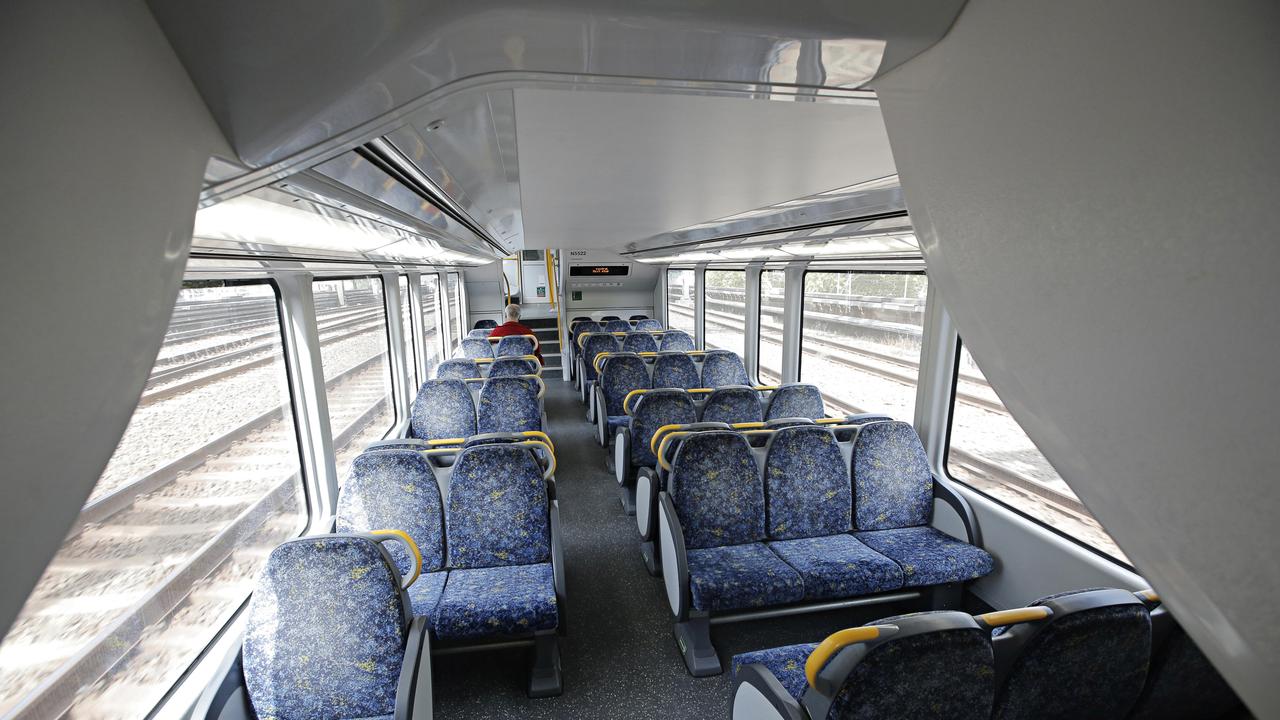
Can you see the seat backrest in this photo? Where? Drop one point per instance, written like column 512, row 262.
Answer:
column 586, row 326
column 675, row 370
column 514, row 345
column 443, row 409
column 607, row 318
column 478, row 334
column 395, row 488
column 620, row 375
column 716, row 489
column 778, row 423
column 327, row 627
column 1181, row 683
column 617, row 326
column 936, row 665
column 593, row 346
column 654, row 409
column 507, row 366
column 509, row 404
column 648, row 325
column 458, row 369
column 639, row 342
column 723, row 367
column 676, row 341
column 638, row 317
column 485, row 324
column 579, row 318
column 477, row 348
column 806, row 484
column 795, row 400
column 497, row 508
column 892, row 483
column 732, row 404
column 1087, row 660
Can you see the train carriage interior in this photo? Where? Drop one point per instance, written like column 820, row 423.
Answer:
column 640, row 359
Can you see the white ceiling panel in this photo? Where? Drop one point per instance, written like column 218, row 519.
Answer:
column 600, row 169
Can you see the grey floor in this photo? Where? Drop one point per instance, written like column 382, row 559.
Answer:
column 619, row 657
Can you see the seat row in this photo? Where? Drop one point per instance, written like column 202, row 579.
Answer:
column 617, row 373
column 479, row 368
column 344, row 624
column 1103, row 654
column 798, row 525
column 453, row 409
column 484, row 347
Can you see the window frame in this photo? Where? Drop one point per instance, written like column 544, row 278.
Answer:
column 442, row 354
column 946, row 471
column 459, row 324
column 666, row 299
column 760, row 323
column 803, row 290
column 705, row 287
column 386, row 332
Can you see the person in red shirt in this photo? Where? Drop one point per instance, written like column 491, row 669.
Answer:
column 512, row 326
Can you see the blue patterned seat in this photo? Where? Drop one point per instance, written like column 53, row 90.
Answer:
column 477, row 348
column 485, row 324
column 443, row 409
column 328, row 626
column 510, row 366
column 653, row 410
column 586, row 326
column 1088, row 660
column 723, row 367
column 735, row 577
column 510, row 404
column 478, row 334
column 648, row 325
column 397, row 489
column 514, row 345
column 593, row 346
column 1181, row 684
column 732, row 404
column 676, row 341
column 807, row 510
column 796, row 400
column 932, row 666
column 639, row 342
column 617, row 326
column 620, row 375
column 458, row 369
column 893, row 491
column 497, row 601
column 675, row 370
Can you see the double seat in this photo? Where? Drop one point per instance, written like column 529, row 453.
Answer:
column 1103, row 654
column 582, row 325
column 589, row 345
column 448, row 409
column 804, row 532
column 481, row 346
column 481, row 368
column 487, row 534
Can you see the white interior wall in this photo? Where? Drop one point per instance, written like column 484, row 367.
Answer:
column 108, row 145
column 1094, row 188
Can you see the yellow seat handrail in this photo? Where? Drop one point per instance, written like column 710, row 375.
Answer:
column 496, row 340
column 666, row 442
column 836, row 642
column 657, row 436
column 1014, row 616
column 403, row 537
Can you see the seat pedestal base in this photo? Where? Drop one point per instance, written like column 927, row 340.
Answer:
column 652, row 561
column 693, row 636
column 627, row 494
column 544, row 676
column 946, row 597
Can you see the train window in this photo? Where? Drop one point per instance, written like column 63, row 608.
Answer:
column 680, row 300
column 357, row 375
column 860, row 340
column 455, row 311
column 432, row 346
column 406, row 322
column 205, row 480
column 989, row 451
column 725, row 307
column 772, row 283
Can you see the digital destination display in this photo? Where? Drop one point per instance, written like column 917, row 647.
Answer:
column 598, row 270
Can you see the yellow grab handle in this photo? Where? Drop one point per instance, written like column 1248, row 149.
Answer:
column 446, row 441
column 626, row 401
column 835, row 642
column 1014, row 616
column 413, row 547
column 657, row 435
column 662, row 449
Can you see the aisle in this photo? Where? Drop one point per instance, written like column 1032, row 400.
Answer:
column 619, row 657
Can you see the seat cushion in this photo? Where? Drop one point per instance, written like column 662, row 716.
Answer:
column 786, row 664
column 424, row 593
column 496, row 601
column 618, row 421
column 741, row 576
column 838, row 566
column 928, row 556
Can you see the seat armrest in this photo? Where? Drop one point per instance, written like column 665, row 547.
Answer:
column 675, row 560
column 622, row 469
column 646, row 503
column 557, row 563
column 601, row 410
column 946, row 492
column 413, row 691
column 758, row 695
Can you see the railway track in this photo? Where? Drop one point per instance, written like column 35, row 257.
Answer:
column 208, row 518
